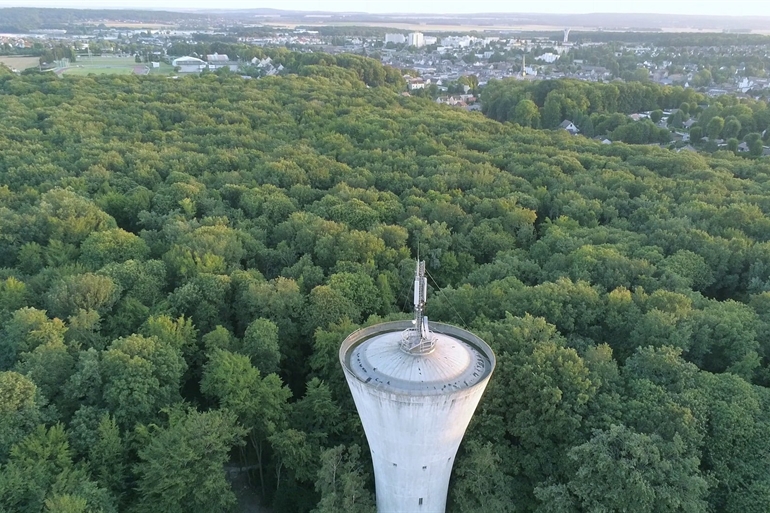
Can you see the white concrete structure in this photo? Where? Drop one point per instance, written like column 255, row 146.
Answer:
column 395, row 38
column 216, row 57
column 548, row 57
column 416, row 385
column 217, row 61
column 459, row 41
column 416, row 83
column 189, row 64
column 416, row 39
column 566, row 35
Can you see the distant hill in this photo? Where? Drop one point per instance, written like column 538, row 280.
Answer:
column 608, row 21
column 25, row 19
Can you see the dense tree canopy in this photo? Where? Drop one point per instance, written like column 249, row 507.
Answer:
column 180, row 260
column 602, row 109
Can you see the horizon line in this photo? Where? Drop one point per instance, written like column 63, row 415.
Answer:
column 394, row 13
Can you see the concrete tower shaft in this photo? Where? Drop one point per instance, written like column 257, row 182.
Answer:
column 415, row 407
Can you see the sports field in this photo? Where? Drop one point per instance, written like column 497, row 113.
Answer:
column 19, row 62
column 109, row 65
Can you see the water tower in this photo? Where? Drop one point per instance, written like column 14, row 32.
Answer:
column 416, row 385
column 566, row 35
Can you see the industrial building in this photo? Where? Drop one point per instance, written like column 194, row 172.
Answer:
column 416, row 385
column 189, row 64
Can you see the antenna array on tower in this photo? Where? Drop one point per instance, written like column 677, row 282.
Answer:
column 419, row 340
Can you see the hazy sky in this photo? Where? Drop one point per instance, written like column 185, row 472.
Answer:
column 710, row 7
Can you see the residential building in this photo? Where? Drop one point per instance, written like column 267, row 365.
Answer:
column 416, row 83
column 416, row 39
column 549, row 57
column 570, row 127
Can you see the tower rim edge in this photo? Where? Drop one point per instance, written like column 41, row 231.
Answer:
column 363, row 334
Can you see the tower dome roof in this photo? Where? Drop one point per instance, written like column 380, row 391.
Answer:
column 458, row 359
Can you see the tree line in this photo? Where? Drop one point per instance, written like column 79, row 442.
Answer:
column 661, row 39
column 599, row 109
column 25, row 19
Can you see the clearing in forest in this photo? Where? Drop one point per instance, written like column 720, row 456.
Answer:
column 110, row 65
column 19, row 62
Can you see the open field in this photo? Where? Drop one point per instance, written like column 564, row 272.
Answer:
column 19, row 62
column 470, row 27
column 78, row 69
column 164, row 69
column 130, row 25
column 112, row 66
column 423, row 27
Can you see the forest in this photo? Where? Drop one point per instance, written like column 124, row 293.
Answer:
column 603, row 109
column 661, row 38
column 180, row 260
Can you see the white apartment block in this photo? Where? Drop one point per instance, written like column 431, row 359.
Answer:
column 395, row 38
column 416, row 39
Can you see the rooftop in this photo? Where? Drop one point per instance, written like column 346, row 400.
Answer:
column 458, row 360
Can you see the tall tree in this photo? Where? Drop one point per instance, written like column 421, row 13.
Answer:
column 259, row 403
column 19, row 410
column 715, row 127
column 481, row 484
column 527, row 114
column 181, row 467
column 260, row 343
column 141, row 376
column 619, row 467
column 342, row 482
column 40, row 467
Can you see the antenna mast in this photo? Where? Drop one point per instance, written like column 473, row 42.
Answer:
column 419, row 340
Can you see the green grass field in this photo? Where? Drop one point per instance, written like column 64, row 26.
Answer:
column 165, row 69
column 112, row 66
